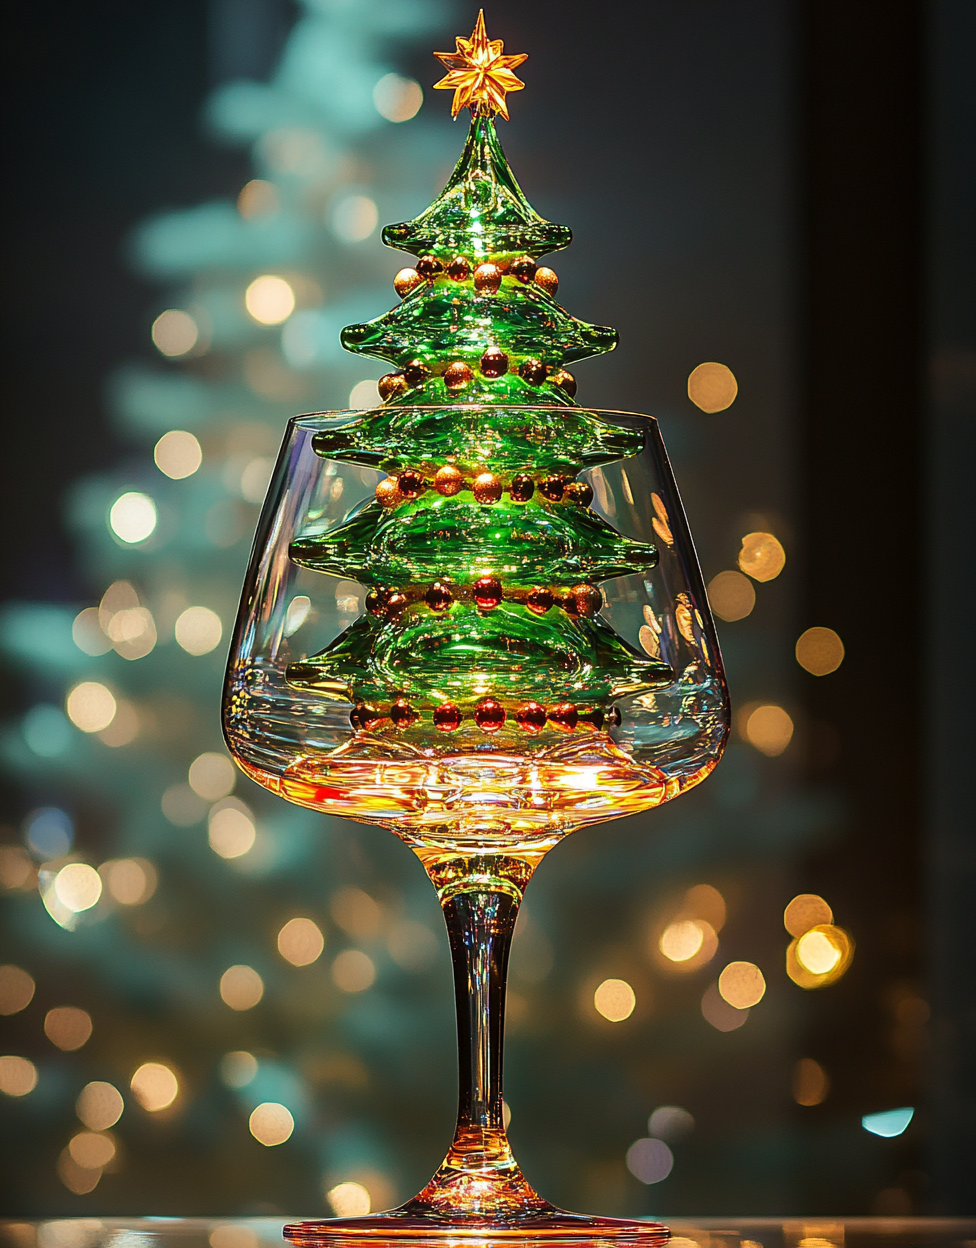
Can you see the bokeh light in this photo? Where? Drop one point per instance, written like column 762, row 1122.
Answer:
column 301, row 942
column 353, row 971
column 270, row 299
column 212, row 776
column 742, row 985
column 820, row 956
column 77, row 1179
column 175, row 332
column 87, row 634
column 49, row 832
column 717, row 1011
column 92, row 1149
column 258, row 198
column 17, row 989
column 131, row 881
column 78, row 887
column 16, row 869
column 397, row 98
column 18, row 1075
column 769, row 728
column 412, row 945
column 670, row 1122
column 241, row 987
column 271, row 1123
column 731, row 596
column 90, row 706
column 182, row 806
column 615, row 1000
column 99, row 1105
column 155, row 1086
column 704, row 901
column 681, row 940
column 132, row 632
column 889, row 1122
column 650, row 1160
column 712, row 387
column 363, row 395
column 231, row 830
column 810, row 1082
column 68, row 1027
column 356, row 913
column 354, row 218
column 349, row 1200
column 177, row 454
column 805, row 911
column 255, row 478
column 297, row 614
column 819, row 651
column 124, row 728
column 198, row 630
column 132, row 517
column 762, row 556
column 238, row 1068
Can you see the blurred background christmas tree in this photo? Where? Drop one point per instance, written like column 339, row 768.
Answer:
column 221, row 1004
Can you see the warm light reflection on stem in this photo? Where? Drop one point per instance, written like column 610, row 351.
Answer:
column 480, row 897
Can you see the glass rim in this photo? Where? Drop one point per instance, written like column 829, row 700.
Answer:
column 305, row 419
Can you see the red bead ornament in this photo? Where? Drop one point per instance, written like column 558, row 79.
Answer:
column 429, row 267
column 487, row 279
column 564, row 716
column 402, row 714
column 533, row 371
column 447, row 717
column 459, row 269
column 406, row 281
column 487, row 488
column 494, row 362
column 565, row 381
column 531, row 717
column 395, row 605
column 553, row 488
column 489, row 715
column 364, row 716
column 580, row 493
column 521, row 489
column 547, row 279
column 388, row 492
column 448, row 481
column 487, row 592
column 587, row 599
column 411, row 483
column 415, row 373
column 376, row 601
column 523, row 268
column 392, row 386
column 457, row 375
column 438, row 597
column 540, row 601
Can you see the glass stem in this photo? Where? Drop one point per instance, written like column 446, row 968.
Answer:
column 480, row 899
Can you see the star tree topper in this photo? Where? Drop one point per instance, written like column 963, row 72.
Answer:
column 479, row 74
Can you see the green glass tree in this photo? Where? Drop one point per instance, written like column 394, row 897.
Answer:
column 480, row 551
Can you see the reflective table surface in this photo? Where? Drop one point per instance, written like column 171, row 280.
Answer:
column 739, row 1232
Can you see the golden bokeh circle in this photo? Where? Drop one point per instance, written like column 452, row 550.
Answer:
column 819, row 651
column 762, row 556
column 841, row 942
column 712, row 387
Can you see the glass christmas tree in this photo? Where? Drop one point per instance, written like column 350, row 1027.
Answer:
column 488, row 700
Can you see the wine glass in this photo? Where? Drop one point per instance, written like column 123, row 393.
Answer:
column 482, row 666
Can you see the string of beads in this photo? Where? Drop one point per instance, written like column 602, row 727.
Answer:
column 487, row 487
column 489, row 715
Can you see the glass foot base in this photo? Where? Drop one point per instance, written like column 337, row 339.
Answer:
column 544, row 1226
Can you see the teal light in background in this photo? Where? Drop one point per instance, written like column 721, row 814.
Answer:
column 889, row 1123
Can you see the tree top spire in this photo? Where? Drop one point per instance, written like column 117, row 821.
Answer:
column 479, row 73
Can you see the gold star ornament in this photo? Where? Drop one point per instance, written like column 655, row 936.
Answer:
column 479, row 74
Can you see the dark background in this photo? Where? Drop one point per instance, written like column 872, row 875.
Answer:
column 820, row 154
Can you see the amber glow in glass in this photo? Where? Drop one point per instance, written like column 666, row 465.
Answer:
column 482, row 668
